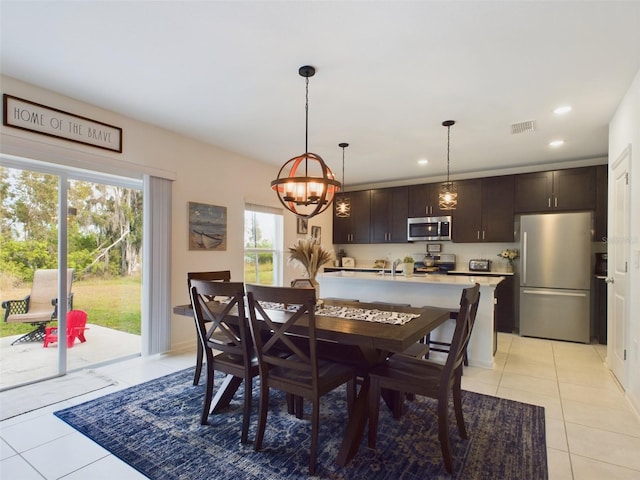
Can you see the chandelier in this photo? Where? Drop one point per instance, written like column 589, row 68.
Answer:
column 343, row 203
column 305, row 184
column 448, row 197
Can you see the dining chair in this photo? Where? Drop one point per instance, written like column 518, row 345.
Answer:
column 214, row 276
column 425, row 346
column 230, row 337
column 301, row 374
column 405, row 374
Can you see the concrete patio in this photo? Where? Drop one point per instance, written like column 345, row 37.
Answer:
column 27, row 362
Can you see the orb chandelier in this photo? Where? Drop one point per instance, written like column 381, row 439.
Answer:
column 343, row 203
column 448, row 197
column 305, row 184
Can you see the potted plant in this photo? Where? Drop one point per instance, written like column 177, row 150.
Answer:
column 408, row 266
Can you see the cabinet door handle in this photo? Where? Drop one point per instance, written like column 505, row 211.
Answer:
column 556, row 201
column 478, row 234
column 549, row 201
column 483, row 234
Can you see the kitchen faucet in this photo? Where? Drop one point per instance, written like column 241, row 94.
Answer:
column 394, row 265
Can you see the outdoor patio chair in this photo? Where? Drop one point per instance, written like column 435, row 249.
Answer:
column 40, row 306
column 76, row 325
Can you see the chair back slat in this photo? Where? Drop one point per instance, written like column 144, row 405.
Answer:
column 273, row 337
column 222, row 334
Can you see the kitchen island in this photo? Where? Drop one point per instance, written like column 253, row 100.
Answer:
column 424, row 290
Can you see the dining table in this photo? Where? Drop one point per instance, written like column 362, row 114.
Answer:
column 374, row 340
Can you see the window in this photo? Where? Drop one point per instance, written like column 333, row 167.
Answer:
column 263, row 240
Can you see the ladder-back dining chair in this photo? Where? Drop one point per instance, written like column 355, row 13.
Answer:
column 230, row 337
column 405, row 374
column 214, row 276
column 301, row 374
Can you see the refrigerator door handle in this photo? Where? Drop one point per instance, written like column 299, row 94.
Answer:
column 554, row 292
column 524, row 258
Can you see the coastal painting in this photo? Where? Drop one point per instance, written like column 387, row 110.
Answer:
column 207, row 227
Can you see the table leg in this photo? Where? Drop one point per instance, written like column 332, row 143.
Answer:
column 225, row 393
column 355, row 427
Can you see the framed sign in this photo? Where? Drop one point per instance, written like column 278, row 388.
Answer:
column 31, row 116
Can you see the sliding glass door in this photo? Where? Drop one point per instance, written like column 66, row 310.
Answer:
column 98, row 219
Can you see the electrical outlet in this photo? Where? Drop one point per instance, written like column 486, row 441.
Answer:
column 636, row 260
column 635, row 349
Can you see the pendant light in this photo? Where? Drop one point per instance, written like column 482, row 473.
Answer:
column 343, row 203
column 305, row 184
column 448, row 197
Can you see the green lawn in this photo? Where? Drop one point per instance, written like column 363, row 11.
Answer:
column 113, row 303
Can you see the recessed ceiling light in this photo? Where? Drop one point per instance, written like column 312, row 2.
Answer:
column 423, row 161
column 556, row 143
column 562, row 110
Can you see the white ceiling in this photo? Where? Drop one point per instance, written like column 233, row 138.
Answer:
column 388, row 74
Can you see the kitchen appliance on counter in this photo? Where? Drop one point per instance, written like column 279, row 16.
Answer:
column 479, row 265
column 555, row 275
column 442, row 264
column 429, row 228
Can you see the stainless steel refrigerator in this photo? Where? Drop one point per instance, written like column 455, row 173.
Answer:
column 555, row 275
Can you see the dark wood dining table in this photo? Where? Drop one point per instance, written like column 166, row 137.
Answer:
column 375, row 341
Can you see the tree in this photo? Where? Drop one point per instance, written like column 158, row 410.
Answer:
column 104, row 229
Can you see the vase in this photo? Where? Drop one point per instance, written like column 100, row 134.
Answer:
column 316, row 286
column 509, row 267
column 408, row 269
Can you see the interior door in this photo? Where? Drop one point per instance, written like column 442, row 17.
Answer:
column 618, row 266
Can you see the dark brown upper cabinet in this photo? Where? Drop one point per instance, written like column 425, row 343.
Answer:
column 423, row 201
column 389, row 215
column 556, row 191
column 485, row 210
column 356, row 227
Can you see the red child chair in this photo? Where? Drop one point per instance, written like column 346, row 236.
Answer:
column 76, row 325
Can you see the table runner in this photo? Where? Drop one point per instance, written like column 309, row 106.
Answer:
column 352, row 313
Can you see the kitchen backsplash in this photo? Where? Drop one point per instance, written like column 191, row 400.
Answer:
column 366, row 255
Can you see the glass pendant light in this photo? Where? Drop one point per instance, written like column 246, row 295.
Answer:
column 448, row 197
column 343, row 202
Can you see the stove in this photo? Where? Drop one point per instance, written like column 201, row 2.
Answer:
column 444, row 263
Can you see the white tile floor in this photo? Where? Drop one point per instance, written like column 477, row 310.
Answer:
column 592, row 432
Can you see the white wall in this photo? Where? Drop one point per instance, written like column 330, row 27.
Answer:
column 624, row 130
column 203, row 173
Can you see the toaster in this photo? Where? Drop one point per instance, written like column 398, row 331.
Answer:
column 480, row 265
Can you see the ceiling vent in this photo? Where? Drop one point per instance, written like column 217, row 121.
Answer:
column 523, row 127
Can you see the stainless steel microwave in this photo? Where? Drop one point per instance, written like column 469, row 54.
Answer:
column 429, row 228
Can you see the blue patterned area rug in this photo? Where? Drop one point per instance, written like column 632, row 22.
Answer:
column 155, row 428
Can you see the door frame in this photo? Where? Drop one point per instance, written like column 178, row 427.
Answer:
column 618, row 254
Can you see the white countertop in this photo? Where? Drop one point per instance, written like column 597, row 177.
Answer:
column 467, row 280
column 469, row 272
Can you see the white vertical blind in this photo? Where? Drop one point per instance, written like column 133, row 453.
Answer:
column 156, row 297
